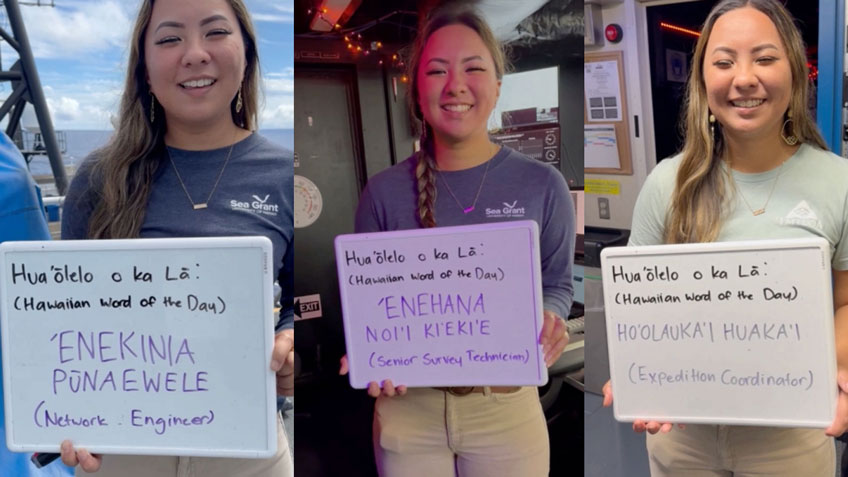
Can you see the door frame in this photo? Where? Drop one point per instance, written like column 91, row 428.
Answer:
column 348, row 74
column 832, row 51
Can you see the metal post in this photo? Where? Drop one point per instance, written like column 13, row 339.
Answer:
column 37, row 95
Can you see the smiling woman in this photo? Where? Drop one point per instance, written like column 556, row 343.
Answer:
column 752, row 158
column 459, row 177
column 454, row 118
column 748, row 79
column 185, row 161
column 195, row 69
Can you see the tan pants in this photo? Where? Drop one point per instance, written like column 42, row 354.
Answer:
column 741, row 451
column 280, row 465
column 432, row 433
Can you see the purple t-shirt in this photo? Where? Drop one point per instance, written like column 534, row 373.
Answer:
column 516, row 187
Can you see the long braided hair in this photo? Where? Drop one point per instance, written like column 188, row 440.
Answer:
column 425, row 171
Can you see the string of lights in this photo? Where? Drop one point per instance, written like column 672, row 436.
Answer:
column 813, row 70
column 358, row 42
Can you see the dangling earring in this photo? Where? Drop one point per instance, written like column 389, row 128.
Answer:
column 791, row 139
column 712, row 127
column 238, row 101
column 152, row 107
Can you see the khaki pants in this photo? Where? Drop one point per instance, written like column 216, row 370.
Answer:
column 741, row 451
column 280, row 465
column 432, row 433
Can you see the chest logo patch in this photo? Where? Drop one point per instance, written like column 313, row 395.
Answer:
column 508, row 210
column 802, row 214
column 256, row 205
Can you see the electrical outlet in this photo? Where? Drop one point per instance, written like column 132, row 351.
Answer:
column 603, row 208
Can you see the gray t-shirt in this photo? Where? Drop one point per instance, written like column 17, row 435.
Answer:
column 810, row 199
column 516, row 187
column 254, row 197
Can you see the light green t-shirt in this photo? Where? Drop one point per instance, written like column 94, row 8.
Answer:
column 810, row 199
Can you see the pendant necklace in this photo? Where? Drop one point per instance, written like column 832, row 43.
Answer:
column 204, row 204
column 762, row 209
column 469, row 209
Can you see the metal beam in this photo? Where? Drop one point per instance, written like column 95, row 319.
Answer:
column 37, row 95
column 11, row 100
column 11, row 76
column 36, row 3
column 9, row 39
column 15, row 117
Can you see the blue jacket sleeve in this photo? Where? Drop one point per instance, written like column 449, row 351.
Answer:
column 21, row 211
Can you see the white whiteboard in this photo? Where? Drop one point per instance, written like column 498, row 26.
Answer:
column 447, row 306
column 723, row 333
column 191, row 377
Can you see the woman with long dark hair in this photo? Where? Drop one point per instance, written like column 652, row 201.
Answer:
column 184, row 150
column 753, row 166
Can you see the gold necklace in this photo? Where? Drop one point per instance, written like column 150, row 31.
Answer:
column 762, row 209
column 466, row 210
column 205, row 204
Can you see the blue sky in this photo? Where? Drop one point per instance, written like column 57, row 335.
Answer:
column 80, row 49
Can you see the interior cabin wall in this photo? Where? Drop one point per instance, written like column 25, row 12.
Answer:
column 571, row 126
column 634, row 47
column 386, row 132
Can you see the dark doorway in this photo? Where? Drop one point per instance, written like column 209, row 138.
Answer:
column 327, row 184
column 330, row 416
column 672, row 34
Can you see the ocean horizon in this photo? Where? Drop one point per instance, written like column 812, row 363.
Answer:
column 80, row 143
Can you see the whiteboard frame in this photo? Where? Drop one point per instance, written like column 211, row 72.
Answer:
column 261, row 242
column 536, row 274
column 817, row 243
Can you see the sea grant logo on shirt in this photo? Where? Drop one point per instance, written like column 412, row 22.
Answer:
column 802, row 215
column 257, row 205
column 508, row 210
